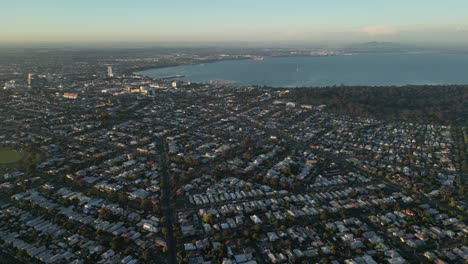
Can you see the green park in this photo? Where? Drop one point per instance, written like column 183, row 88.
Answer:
column 9, row 156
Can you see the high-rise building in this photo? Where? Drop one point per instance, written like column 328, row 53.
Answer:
column 110, row 74
column 30, row 78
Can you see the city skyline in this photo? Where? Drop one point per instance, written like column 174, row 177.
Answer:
column 263, row 22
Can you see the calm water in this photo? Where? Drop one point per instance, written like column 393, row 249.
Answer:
column 359, row 69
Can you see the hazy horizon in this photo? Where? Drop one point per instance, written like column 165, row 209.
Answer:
column 293, row 23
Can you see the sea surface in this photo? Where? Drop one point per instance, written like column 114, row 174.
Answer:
column 355, row 69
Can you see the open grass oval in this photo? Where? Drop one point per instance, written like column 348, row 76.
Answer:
column 8, row 156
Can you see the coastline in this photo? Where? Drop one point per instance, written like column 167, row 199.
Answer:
column 307, row 72
column 145, row 68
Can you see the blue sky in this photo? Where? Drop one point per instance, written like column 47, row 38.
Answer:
column 281, row 21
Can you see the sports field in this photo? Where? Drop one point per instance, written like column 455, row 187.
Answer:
column 8, row 156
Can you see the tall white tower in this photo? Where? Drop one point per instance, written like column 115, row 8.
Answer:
column 30, row 76
column 110, row 74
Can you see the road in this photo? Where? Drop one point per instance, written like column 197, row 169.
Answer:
column 167, row 208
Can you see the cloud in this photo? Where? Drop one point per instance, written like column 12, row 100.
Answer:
column 378, row 30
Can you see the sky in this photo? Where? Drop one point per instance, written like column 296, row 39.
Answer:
column 248, row 21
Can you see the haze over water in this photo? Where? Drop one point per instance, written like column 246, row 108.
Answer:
column 357, row 69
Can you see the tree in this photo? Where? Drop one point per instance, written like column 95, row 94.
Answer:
column 7, row 216
column 156, row 207
column 207, row 218
column 464, row 167
column 114, row 245
column 245, row 143
column 122, row 197
column 446, row 192
column 323, row 215
column 383, row 207
column 453, row 203
column 333, row 249
column 145, row 204
column 128, row 251
column 286, row 170
column 165, row 249
column 105, row 213
column 146, row 255
column 22, row 254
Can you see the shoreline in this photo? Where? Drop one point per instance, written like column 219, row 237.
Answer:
column 398, row 81
column 145, row 68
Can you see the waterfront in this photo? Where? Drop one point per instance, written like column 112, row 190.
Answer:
column 358, row 69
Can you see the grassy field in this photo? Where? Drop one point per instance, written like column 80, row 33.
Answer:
column 8, row 156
